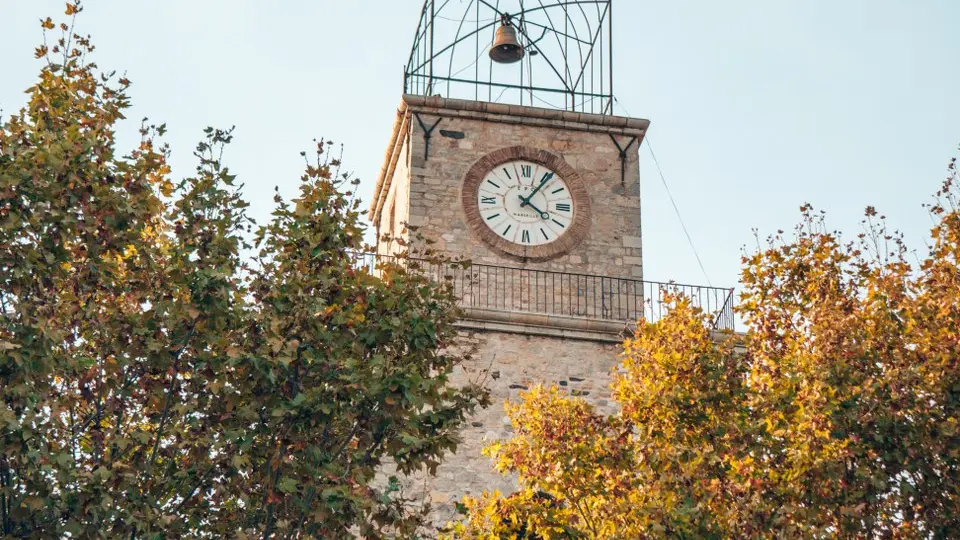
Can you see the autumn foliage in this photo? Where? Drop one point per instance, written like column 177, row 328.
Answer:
column 836, row 415
column 170, row 369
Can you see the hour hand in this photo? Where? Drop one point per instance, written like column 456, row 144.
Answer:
column 543, row 215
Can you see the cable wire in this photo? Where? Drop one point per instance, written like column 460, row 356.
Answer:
column 673, row 202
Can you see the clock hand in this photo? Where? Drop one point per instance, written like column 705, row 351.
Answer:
column 546, row 178
column 543, row 215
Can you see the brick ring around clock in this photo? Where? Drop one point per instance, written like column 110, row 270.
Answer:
column 526, row 203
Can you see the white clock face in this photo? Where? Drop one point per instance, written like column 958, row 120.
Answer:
column 525, row 203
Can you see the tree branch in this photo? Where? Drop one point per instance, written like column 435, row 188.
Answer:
column 3, row 498
column 586, row 517
column 166, row 406
column 186, row 499
column 311, row 493
column 268, row 527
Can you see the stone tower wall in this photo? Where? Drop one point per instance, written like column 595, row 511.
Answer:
column 509, row 364
column 468, row 131
column 516, row 349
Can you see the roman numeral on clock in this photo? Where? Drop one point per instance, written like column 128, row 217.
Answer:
column 563, row 207
column 488, row 200
column 526, row 237
column 527, row 170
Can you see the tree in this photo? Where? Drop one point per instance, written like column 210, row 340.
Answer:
column 157, row 382
column 835, row 415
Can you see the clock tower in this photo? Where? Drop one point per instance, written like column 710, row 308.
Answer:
column 506, row 152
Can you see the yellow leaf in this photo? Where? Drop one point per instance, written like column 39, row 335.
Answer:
column 47, row 24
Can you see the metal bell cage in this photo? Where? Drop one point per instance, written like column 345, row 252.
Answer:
column 540, row 53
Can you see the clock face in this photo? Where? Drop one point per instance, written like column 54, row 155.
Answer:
column 526, row 203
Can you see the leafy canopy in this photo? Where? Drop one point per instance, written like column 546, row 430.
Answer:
column 156, row 380
column 836, row 415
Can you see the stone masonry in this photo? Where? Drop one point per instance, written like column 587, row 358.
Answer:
column 517, row 349
column 426, row 190
column 509, row 364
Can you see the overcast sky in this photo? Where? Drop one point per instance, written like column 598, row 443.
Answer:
column 756, row 105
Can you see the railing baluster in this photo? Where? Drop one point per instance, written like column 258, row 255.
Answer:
column 561, row 295
column 536, row 290
column 579, row 309
column 576, row 310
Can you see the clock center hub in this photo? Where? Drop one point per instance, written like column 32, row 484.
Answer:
column 523, row 206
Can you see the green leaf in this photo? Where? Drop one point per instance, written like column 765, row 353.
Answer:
column 287, row 485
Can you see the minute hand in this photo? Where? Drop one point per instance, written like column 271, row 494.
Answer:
column 546, row 178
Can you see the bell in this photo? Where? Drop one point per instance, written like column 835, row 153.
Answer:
column 506, row 48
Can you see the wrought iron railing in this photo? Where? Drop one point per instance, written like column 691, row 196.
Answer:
column 499, row 288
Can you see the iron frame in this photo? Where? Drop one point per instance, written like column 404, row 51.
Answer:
column 575, row 61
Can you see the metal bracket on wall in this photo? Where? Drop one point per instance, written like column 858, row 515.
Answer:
column 623, row 157
column 427, row 133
